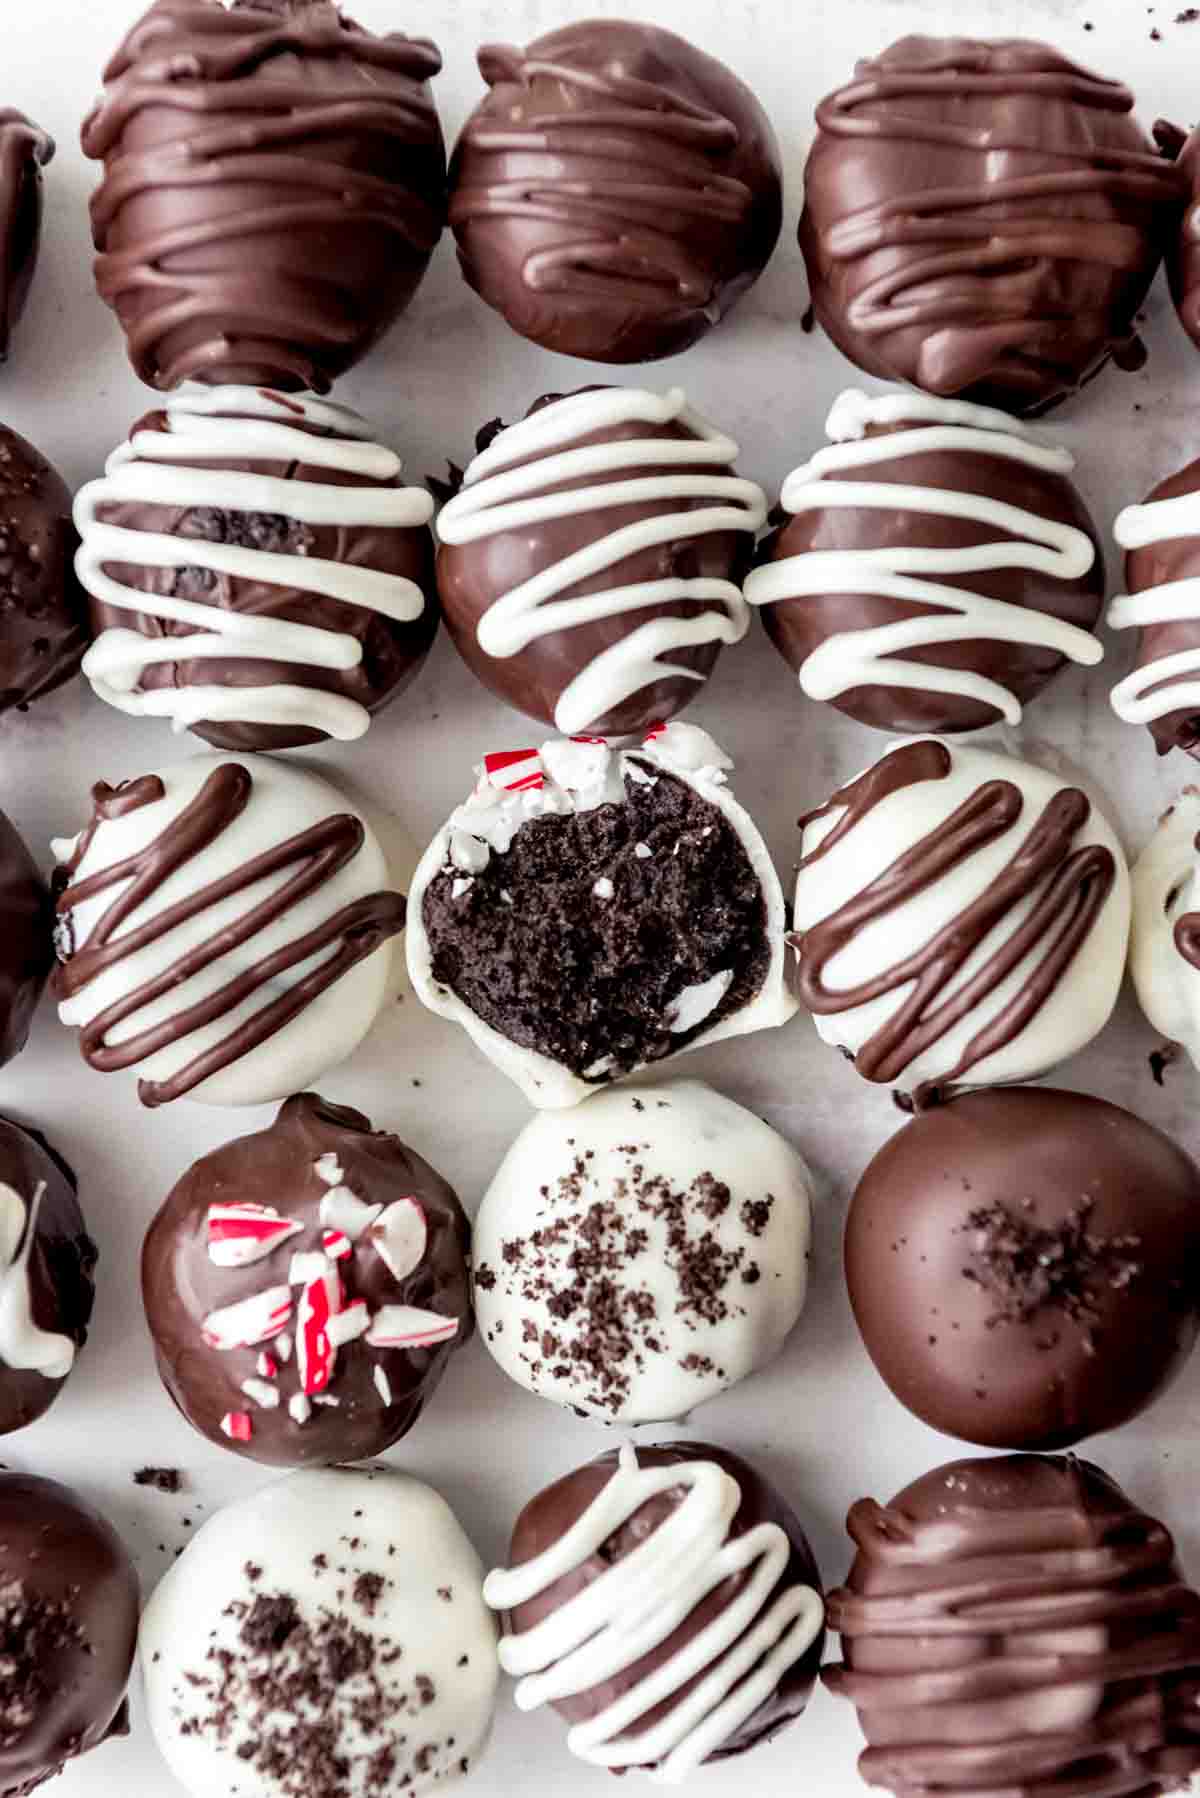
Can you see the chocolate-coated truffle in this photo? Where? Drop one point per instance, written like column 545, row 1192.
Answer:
column 1024, row 1265
column 615, row 191
column 589, row 911
column 984, row 218
column 267, row 533
column 1164, row 947
column 24, row 152
column 324, row 1638
column 274, row 186
column 260, row 952
column 962, row 918
column 1183, row 254
column 1161, row 539
column 68, row 1627
column 26, row 940
column 43, row 617
column 937, row 569
column 591, row 563
column 696, row 1218
column 1017, row 1625
column 698, row 1580
column 306, row 1286
column 46, row 1263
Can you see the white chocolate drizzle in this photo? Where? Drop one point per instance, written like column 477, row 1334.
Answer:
column 875, row 656
column 638, row 1602
column 519, row 482
column 165, row 468
column 23, row 1345
column 1143, row 696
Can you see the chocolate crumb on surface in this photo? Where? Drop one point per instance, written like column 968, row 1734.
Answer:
column 162, row 1479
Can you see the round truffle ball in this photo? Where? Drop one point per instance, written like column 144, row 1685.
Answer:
column 615, row 191
column 258, row 571
column 1161, row 539
column 696, row 1216
column 983, row 218
column 937, row 569
column 1028, row 1300
column 961, row 918
column 1164, row 948
column 591, row 562
column 306, row 1286
column 47, row 1260
column 326, row 1633
column 68, row 1628
column 1183, row 254
column 719, row 1650
column 261, row 955
column 25, row 149
column 26, row 940
column 274, row 186
column 43, row 616
column 1020, row 1624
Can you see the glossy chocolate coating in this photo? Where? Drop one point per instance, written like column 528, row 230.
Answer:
column 1155, row 565
column 1024, row 1265
column 43, row 619
column 984, row 218
column 471, row 577
column 68, row 1625
column 274, row 186
column 1017, row 1625
column 26, row 933
column 53, row 1273
column 615, row 192
column 277, row 1168
column 24, row 152
column 550, row 1515
column 1183, row 257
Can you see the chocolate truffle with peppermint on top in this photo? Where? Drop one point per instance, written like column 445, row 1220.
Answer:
column 68, row 1629
column 306, row 1286
column 1024, row 1265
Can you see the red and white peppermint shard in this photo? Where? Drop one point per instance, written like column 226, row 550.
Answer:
column 336, row 1244
column 316, row 1353
column 655, row 731
column 407, row 1326
column 514, row 770
column 239, row 1235
column 348, row 1325
column 602, row 741
column 400, row 1237
column 237, row 1426
column 250, row 1321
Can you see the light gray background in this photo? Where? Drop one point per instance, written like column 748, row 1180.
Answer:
column 819, row 1421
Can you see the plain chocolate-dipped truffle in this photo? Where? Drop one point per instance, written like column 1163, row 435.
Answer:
column 1024, row 1265
column 615, row 191
column 43, row 617
column 937, row 568
column 274, row 186
column 270, row 535
column 26, row 940
column 25, row 150
column 46, row 1263
column 591, row 563
column 1161, row 538
column 305, row 1287
column 68, row 1627
column 710, row 1650
column 983, row 218
column 1018, row 1625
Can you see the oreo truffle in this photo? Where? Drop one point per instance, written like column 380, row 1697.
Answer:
column 590, row 911
column 1017, row 1624
column 615, row 191
column 643, row 1254
column 937, row 566
column 224, row 928
column 68, row 1628
column 1164, row 949
column 327, row 1634
column 274, row 186
column 26, row 940
column 591, row 562
column 1026, row 1301
column 961, row 918
column 1161, row 540
column 305, row 1287
column 43, row 616
column 983, row 218
column 698, row 1579
column 258, row 571
column 25, row 149
column 47, row 1260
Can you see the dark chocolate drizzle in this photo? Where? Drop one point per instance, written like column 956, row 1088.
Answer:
column 1068, row 889
column 317, row 854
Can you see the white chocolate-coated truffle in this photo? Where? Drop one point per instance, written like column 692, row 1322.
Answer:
column 356, row 1595
column 675, row 1226
column 1166, row 888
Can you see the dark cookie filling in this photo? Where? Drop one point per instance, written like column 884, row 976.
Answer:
column 540, row 948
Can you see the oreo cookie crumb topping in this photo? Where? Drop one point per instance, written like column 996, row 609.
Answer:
column 1025, row 1267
